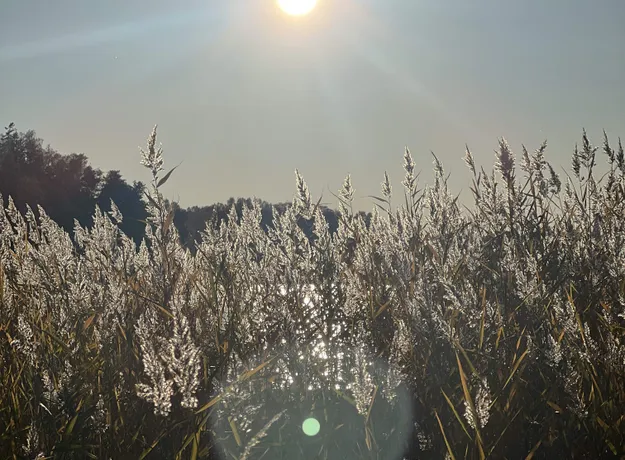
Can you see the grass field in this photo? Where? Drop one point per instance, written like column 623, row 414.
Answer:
column 437, row 332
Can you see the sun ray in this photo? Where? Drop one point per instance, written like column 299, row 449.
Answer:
column 335, row 105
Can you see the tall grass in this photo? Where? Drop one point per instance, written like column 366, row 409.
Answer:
column 492, row 332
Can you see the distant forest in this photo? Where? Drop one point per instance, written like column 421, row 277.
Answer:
column 68, row 188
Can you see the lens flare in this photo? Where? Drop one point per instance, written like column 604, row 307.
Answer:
column 311, row 427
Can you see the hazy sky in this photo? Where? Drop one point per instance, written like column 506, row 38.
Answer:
column 243, row 95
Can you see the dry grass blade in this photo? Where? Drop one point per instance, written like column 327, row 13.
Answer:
column 530, row 456
column 166, row 176
column 168, row 220
column 483, row 319
column 515, row 367
column 235, row 431
column 195, row 447
column 449, row 450
column 464, row 428
column 153, row 202
column 261, row 434
column 257, row 369
column 469, row 400
column 375, row 392
column 209, row 404
column 508, row 425
column 245, row 376
column 466, row 357
column 151, row 447
column 381, row 309
column 88, row 322
column 555, row 407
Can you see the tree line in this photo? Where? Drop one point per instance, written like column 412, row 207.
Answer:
column 68, row 188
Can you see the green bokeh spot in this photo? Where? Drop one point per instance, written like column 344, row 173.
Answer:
column 311, row 426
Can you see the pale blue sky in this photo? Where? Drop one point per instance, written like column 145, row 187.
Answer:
column 244, row 95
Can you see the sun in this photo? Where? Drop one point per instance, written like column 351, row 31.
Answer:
column 297, row 7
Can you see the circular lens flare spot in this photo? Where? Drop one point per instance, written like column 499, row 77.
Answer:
column 310, row 427
column 297, row 7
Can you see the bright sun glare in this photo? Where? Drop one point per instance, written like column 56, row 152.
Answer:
column 297, row 7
